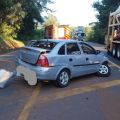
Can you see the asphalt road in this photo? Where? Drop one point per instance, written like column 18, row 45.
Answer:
column 86, row 98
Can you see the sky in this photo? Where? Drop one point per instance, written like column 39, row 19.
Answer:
column 74, row 12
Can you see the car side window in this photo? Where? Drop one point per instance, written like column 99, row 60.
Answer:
column 62, row 50
column 72, row 48
column 87, row 49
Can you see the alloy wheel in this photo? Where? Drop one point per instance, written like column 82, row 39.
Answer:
column 64, row 78
column 103, row 69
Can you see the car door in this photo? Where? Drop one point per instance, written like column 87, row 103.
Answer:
column 74, row 59
column 89, row 58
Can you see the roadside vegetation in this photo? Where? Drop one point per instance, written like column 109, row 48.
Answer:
column 20, row 21
column 99, row 30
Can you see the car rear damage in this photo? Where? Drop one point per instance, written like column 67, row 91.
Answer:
column 38, row 61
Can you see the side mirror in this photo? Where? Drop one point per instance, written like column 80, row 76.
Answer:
column 98, row 51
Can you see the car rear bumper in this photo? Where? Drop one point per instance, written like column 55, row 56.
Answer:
column 42, row 73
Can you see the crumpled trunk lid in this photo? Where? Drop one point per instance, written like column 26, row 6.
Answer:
column 30, row 54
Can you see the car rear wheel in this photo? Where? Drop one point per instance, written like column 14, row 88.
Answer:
column 104, row 70
column 63, row 79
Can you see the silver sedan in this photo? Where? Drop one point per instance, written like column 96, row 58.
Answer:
column 61, row 60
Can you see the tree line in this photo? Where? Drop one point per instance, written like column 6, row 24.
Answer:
column 103, row 9
column 18, row 17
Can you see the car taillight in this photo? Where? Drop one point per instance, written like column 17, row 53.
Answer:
column 43, row 61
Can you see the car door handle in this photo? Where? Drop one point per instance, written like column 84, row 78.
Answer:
column 87, row 59
column 70, row 59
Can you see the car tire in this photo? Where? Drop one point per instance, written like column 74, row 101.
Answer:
column 118, row 52
column 114, row 51
column 63, row 79
column 104, row 70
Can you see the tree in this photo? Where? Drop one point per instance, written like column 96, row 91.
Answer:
column 33, row 10
column 4, row 9
column 11, row 16
column 103, row 8
column 89, row 33
column 20, row 15
column 50, row 20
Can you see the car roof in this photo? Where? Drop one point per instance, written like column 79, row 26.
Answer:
column 60, row 40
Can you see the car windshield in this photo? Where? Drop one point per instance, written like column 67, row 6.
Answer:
column 44, row 44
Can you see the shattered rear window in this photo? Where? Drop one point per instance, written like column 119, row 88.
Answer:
column 44, row 44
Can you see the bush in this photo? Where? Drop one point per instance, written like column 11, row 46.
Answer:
column 37, row 34
column 89, row 33
column 99, row 34
column 95, row 34
column 7, row 31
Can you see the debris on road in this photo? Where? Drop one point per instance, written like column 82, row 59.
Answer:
column 4, row 77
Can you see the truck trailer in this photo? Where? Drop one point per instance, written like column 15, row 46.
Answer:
column 112, row 38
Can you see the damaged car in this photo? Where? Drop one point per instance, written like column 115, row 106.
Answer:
column 60, row 61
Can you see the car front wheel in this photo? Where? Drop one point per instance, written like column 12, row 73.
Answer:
column 63, row 79
column 104, row 70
